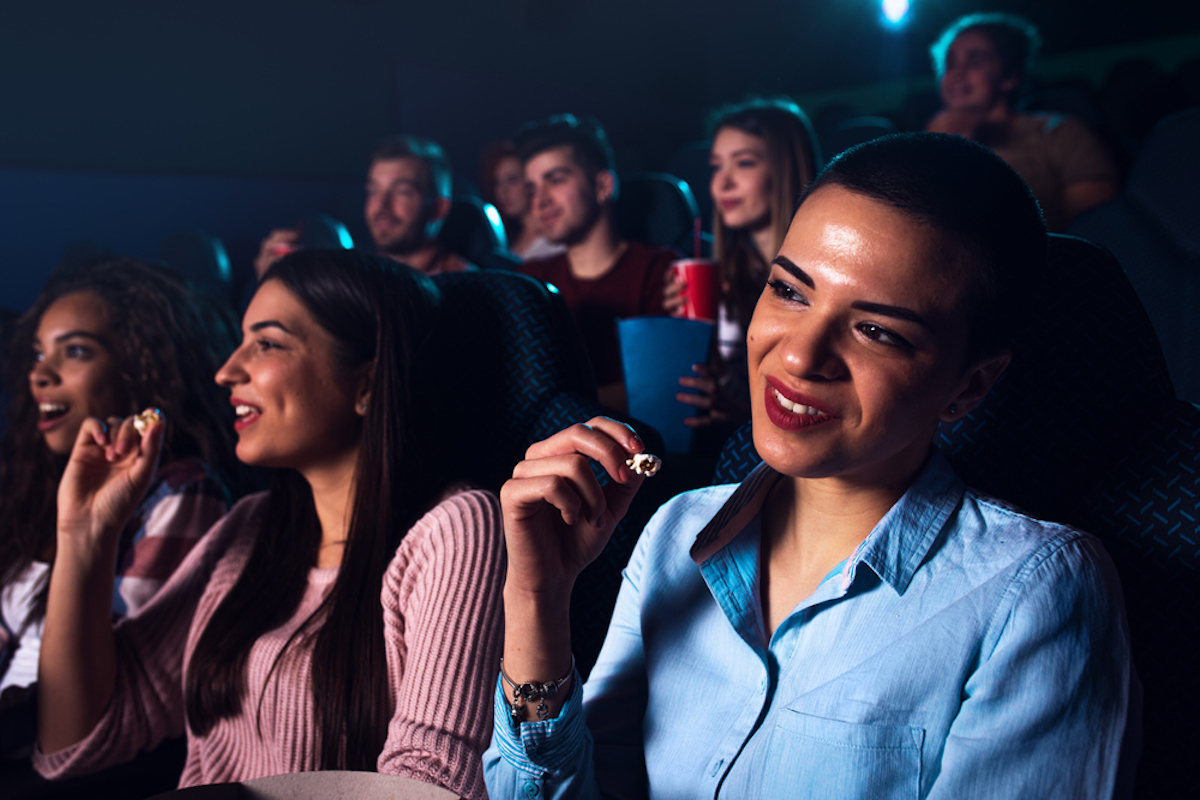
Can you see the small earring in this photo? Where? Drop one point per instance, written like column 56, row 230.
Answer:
column 953, row 409
column 362, row 409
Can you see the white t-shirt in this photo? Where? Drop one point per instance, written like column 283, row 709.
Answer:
column 15, row 602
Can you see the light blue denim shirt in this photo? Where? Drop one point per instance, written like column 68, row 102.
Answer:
column 964, row 650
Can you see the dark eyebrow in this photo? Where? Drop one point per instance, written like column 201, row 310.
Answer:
column 789, row 266
column 270, row 323
column 62, row 337
column 895, row 312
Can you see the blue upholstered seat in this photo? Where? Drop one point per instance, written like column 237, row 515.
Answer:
column 518, row 373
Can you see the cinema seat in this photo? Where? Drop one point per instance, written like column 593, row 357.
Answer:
column 519, row 375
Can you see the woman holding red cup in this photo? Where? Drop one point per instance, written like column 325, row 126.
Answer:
column 763, row 155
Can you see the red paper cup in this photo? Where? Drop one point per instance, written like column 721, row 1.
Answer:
column 702, row 287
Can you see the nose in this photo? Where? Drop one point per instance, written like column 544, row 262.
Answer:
column 232, row 372
column 721, row 179
column 43, row 375
column 811, row 349
column 541, row 197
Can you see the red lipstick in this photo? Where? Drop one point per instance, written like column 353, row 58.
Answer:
column 790, row 421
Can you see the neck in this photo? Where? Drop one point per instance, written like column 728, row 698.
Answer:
column 332, row 487
column 594, row 255
column 526, row 230
column 764, row 243
column 421, row 259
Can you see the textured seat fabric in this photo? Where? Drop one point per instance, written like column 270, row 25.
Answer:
column 657, row 208
column 1153, row 228
column 519, row 374
column 1084, row 428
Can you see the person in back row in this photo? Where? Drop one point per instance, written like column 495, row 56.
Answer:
column 408, row 198
column 982, row 63
column 570, row 168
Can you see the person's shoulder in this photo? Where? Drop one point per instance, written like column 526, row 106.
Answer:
column 462, row 536
column 654, row 254
column 1052, row 124
column 998, row 530
column 462, row 518
column 543, row 268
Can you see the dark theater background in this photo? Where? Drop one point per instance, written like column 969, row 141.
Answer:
column 125, row 121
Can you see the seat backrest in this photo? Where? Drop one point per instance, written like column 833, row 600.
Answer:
column 519, row 374
column 1164, row 178
column 473, row 230
column 200, row 258
column 855, row 130
column 1084, row 428
column 691, row 164
column 1153, row 228
column 657, row 208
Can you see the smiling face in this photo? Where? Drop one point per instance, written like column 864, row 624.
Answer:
column 75, row 374
column 399, row 206
column 295, row 404
column 566, row 202
column 857, row 345
column 974, row 78
column 741, row 179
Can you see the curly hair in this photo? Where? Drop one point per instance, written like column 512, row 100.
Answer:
column 168, row 342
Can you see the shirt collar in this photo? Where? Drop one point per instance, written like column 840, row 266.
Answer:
column 896, row 545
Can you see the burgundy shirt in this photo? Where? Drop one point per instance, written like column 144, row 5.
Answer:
column 632, row 288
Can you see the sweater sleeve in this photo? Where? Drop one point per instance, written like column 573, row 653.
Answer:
column 147, row 703
column 443, row 628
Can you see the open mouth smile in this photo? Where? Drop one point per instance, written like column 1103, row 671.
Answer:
column 793, row 414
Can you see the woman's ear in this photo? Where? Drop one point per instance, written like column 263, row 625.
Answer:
column 362, row 397
column 976, row 383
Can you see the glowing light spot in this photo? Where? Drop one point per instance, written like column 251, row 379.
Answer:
column 895, row 10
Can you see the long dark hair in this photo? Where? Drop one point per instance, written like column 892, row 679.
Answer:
column 382, row 313
column 794, row 159
column 167, row 342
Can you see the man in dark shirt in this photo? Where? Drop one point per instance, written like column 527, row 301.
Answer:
column 602, row 277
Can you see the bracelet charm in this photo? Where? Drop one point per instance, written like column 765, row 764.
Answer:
column 526, row 692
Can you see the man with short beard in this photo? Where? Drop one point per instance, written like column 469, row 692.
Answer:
column 408, row 198
column 569, row 167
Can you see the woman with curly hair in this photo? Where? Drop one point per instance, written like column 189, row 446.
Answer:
column 107, row 340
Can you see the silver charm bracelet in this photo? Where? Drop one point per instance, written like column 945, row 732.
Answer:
column 523, row 692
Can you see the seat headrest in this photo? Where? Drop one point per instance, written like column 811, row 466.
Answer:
column 509, row 348
column 1164, row 178
column 657, row 208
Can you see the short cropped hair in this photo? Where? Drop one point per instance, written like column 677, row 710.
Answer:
column 1016, row 39
column 589, row 145
column 439, row 178
column 989, row 222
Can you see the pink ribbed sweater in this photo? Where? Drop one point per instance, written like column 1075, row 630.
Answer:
column 443, row 625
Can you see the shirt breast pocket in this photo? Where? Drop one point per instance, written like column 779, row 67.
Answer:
column 822, row 758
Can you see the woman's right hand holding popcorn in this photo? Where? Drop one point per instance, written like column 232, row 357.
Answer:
column 557, row 516
column 557, row 520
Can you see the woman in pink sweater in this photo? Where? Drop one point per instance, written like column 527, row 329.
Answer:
column 349, row 618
